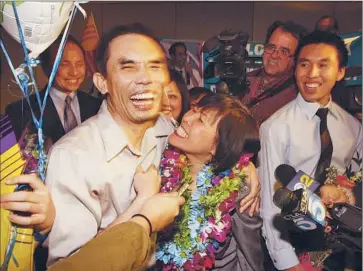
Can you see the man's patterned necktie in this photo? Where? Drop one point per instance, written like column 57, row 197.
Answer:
column 326, row 147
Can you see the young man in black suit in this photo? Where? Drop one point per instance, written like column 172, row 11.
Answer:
column 66, row 106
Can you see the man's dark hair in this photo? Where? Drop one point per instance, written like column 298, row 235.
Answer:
column 103, row 52
column 333, row 28
column 237, row 130
column 172, row 49
column 184, row 92
column 296, row 30
column 325, row 37
column 195, row 92
column 47, row 58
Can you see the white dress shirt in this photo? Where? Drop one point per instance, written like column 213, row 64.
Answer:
column 59, row 98
column 292, row 136
column 196, row 76
column 90, row 176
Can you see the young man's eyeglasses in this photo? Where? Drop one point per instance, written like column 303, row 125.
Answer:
column 281, row 52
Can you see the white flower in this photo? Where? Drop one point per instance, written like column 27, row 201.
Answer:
column 220, row 225
column 166, row 173
column 358, row 174
column 218, row 215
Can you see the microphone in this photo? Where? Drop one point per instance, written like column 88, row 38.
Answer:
column 308, row 213
column 347, row 216
column 293, row 180
column 301, row 206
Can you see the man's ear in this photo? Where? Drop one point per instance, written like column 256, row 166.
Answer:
column 341, row 73
column 100, row 82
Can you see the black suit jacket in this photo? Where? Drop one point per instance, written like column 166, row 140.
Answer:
column 19, row 113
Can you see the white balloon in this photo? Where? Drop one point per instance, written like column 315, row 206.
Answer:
column 42, row 22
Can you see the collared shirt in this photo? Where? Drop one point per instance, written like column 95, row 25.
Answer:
column 264, row 109
column 90, row 177
column 292, row 136
column 59, row 98
column 195, row 74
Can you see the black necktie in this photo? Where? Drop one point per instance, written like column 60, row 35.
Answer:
column 70, row 120
column 326, row 147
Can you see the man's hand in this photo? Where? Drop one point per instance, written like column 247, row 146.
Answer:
column 252, row 200
column 38, row 202
column 146, row 183
column 161, row 209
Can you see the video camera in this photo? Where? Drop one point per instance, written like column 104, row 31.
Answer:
column 349, row 96
column 353, row 103
column 225, row 58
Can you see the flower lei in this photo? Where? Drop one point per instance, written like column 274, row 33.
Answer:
column 347, row 181
column 205, row 220
column 28, row 144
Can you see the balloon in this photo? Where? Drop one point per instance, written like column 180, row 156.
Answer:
column 41, row 22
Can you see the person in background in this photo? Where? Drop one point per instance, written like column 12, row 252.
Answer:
column 334, row 136
column 67, row 106
column 179, row 63
column 273, row 85
column 176, row 98
column 327, row 23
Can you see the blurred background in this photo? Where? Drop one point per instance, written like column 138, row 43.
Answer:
column 188, row 21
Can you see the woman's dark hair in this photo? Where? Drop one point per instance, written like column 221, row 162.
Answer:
column 328, row 38
column 103, row 52
column 195, row 92
column 48, row 56
column 237, row 130
column 296, row 30
column 184, row 92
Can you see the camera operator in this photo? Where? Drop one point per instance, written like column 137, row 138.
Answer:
column 273, row 86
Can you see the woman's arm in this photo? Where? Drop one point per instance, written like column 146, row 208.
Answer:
column 246, row 230
column 252, row 200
